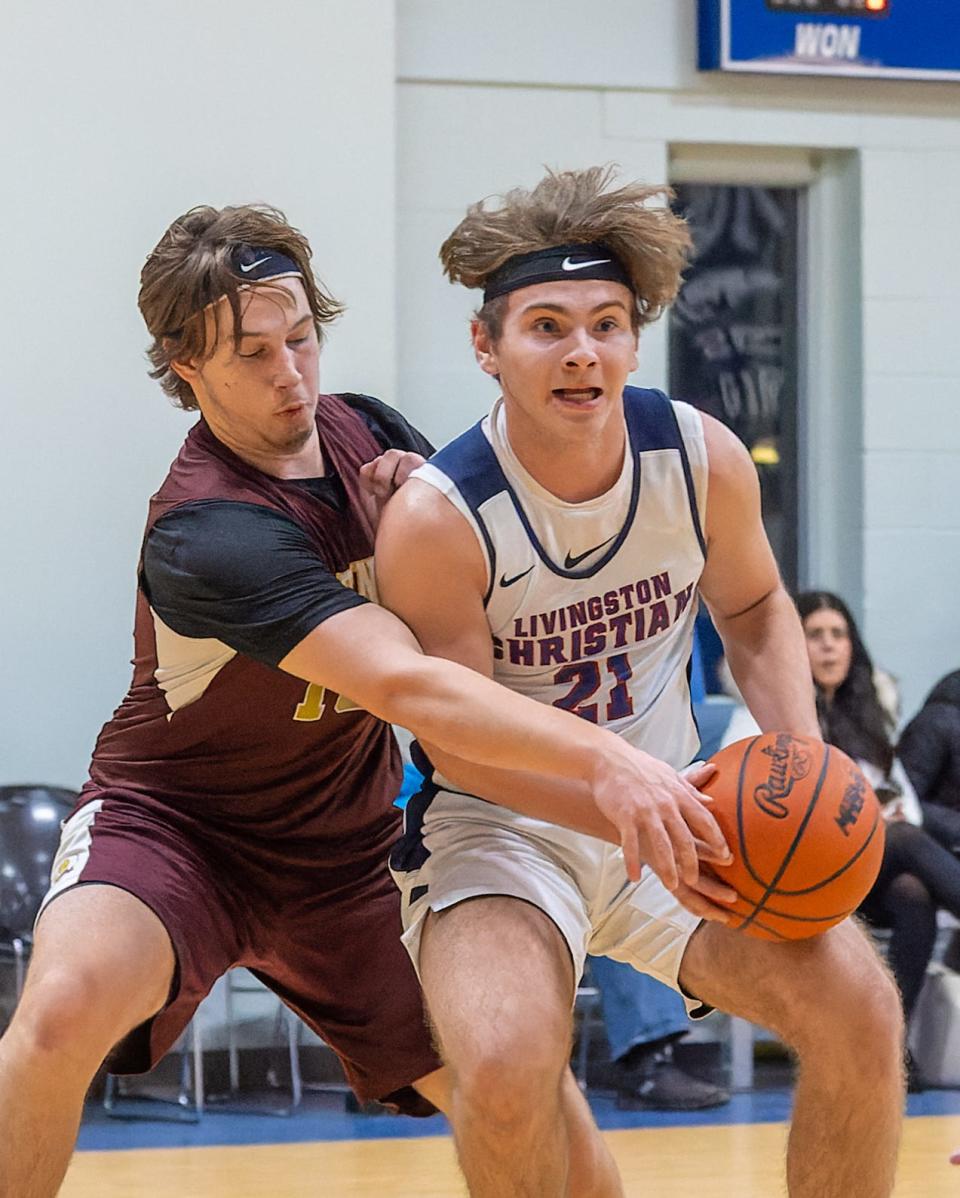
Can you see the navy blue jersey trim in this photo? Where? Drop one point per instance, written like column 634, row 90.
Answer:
column 650, row 419
column 410, row 853
column 617, row 542
column 693, row 708
column 469, row 461
column 691, row 490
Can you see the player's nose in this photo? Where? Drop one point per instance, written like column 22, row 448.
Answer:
column 287, row 374
column 581, row 351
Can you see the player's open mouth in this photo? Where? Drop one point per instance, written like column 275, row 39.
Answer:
column 578, row 394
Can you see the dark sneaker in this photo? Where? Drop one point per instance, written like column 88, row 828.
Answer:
column 915, row 1079
column 661, row 1085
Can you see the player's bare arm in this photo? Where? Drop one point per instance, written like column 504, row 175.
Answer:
column 741, row 585
column 431, row 573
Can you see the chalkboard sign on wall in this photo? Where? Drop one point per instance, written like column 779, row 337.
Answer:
column 733, row 335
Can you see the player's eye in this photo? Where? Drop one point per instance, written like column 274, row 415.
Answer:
column 544, row 324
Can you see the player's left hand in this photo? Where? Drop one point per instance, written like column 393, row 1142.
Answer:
column 384, row 475
column 703, row 898
column 706, row 898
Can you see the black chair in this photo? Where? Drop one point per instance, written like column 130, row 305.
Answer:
column 30, row 818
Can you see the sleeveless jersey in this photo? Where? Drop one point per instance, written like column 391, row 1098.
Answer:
column 230, row 741
column 591, row 606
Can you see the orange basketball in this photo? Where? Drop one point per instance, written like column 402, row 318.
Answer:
column 805, row 830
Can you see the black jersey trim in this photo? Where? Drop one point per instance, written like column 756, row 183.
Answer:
column 390, row 429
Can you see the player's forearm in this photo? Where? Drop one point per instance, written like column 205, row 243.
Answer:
column 562, row 801
column 476, row 720
column 768, row 659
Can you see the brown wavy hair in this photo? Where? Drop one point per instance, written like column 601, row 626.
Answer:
column 573, row 208
column 190, row 267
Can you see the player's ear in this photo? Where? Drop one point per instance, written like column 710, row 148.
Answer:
column 484, row 349
column 188, row 371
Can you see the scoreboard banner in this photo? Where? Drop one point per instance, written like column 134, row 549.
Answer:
column 892, row 39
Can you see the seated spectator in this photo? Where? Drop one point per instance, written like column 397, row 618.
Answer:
column 930, row 750
column 918, row 874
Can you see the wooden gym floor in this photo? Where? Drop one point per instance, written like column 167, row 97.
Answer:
column 709, row 1160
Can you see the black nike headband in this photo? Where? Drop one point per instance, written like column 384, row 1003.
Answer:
column 592, row 261
column 255, row 263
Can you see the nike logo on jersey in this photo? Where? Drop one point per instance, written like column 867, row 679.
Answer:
column 569, row 562
column 508, row 582
column 569, row 264
column 253, row 265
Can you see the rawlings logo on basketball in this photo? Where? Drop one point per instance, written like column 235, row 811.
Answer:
column 788, row 764
column 851, row 804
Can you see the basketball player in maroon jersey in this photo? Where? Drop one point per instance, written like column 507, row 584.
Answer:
column 239, row 808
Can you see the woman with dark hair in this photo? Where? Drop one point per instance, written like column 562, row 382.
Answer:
column 918, row 874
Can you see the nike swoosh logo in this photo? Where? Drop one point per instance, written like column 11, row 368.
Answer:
column 508, row 582
column 569, row 264
column 570, row 561
column 253, row 265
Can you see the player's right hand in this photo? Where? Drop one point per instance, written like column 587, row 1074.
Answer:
column 663, row 821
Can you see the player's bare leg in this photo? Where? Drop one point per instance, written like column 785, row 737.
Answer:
column 102, row 964
column 593, row 1171
column 499, row 987
column 834, row 1003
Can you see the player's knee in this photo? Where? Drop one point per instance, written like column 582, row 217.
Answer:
column 510, row 1077
column 73, row 1015
column 874, row 1018
column 854, row 1022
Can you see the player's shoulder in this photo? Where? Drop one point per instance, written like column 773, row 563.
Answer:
column 390, row 429
column 418, row 510
column 426, row 541
column 727, row 456
column 210, row 537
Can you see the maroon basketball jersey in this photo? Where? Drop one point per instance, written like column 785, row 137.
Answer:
column 235, row 743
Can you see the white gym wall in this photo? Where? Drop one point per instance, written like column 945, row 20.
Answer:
column 373, row 124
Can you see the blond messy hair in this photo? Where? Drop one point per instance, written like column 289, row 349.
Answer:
column 574, row 208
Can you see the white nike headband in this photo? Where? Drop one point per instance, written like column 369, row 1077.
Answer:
column 591, row 261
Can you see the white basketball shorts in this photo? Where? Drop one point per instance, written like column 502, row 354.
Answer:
column 458, row 847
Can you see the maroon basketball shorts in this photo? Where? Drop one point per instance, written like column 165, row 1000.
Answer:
column 325, row 938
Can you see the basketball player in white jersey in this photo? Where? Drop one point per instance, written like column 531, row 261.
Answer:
column 560, row 547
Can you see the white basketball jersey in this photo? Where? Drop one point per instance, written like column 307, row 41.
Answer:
column 591, row 605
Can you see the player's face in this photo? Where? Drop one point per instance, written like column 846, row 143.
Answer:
column 259, row 393
column 563, row 356
column 829, row 648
